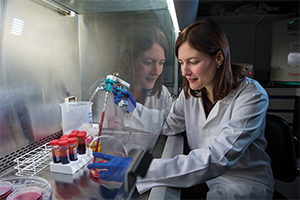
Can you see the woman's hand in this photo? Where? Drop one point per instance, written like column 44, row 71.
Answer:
column 112, row 170
column 122, row 97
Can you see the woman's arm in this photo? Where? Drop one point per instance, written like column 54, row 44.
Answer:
column 245, row 125
column 150, row 119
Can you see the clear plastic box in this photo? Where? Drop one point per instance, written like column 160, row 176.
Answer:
column 76, row 116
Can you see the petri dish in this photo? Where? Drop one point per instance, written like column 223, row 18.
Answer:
column 5, row 189
column 19, row 182
column 31, row 192
column 107, row 144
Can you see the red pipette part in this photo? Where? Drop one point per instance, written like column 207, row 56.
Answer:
column 101, row 123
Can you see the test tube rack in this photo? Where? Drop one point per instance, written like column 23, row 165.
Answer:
column 34, row 161
column 73, row 166
column 31, row 163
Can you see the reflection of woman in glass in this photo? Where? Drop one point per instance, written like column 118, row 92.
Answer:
column 143, row 54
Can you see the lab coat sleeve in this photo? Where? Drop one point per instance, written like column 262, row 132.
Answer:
column 202, row 164
column 175, row 123
column 148, row 119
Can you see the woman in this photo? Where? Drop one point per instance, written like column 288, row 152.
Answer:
column 223, row 114
column 143, row 54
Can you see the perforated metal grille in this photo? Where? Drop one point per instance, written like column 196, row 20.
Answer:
column 8, row 160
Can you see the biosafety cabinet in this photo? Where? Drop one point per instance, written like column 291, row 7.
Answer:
column 54, row 51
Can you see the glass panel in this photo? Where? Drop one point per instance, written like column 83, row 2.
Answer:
column 139, row 46
column 38, row 66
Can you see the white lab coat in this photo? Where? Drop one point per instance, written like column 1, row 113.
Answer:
column 227, row 147
column 149, row 117
column 152, row 115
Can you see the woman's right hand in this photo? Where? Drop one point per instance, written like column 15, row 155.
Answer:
column 124, row 99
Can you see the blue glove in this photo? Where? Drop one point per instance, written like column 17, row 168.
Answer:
column 115, row 167
column 124, row 97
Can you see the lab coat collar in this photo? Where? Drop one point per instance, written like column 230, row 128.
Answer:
column 220, row 105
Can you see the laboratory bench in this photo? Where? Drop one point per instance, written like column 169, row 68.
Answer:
column 80, row 186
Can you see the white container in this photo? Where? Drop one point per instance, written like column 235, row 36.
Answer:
column 76, row 116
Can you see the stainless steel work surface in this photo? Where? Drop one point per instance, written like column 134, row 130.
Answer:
column 79, row 185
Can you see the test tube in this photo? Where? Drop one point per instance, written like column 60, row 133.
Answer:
column 64, row 151
column 65, row 136
column 75, row 131
column 92, row 133
column 72, row 149
column 73, row 134
column 81, row 148
column 83, row 132
column 55, row 151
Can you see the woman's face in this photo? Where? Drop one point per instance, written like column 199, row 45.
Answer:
column 198, row 67
column 149, row 66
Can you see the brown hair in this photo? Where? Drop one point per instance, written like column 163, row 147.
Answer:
column 207, row 36
column 141, row 37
